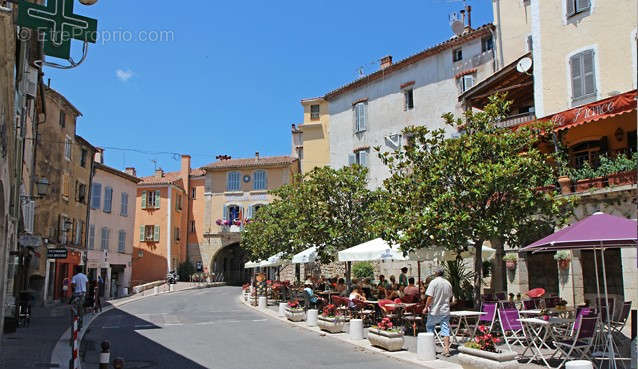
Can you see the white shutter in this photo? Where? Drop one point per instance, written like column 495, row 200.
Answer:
column 589, row 78
column 582, row 5
column 250, row 212
column 363, row 158
column 468, row 82
column 225, row 215
column 576, row 75
column 364, row 117
column 351, row 159
column 570, row 7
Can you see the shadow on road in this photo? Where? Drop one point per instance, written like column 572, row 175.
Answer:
column 119, row 328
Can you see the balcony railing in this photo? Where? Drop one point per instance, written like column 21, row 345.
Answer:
column 514, row 120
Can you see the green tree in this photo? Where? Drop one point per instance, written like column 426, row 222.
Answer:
column 482, row 185
column 363, row 269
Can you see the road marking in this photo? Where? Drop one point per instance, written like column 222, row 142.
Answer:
column 144, row 325
column 173, row 323
column 205, row 323
column 111, row 327
column 259, row 320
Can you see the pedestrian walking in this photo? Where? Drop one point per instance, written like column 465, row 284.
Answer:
column 437, row 307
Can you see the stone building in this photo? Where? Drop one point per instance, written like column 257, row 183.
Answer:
column 112, row 227
column 61, row 218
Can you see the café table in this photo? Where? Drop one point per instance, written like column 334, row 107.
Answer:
column 552, row 311
column 539, row 334
column 462, row 316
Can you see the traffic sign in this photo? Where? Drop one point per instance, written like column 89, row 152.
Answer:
column 59, row 25
column 59, row 253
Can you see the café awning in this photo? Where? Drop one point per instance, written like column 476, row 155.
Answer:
column 373, row 250
column 273, row 261
column 251, row 264
column 306, row 256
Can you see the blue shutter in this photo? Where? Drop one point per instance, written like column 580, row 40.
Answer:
column 124, row 204
column 108, row 199
column 576, row 75
column 351, row 159
column 363, row 158
column 92, row 236
column 250, row 212
column 96, row 195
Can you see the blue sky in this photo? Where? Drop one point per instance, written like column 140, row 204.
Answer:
column 231, row 78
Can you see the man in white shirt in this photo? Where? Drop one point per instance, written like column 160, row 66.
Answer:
column 78, row 283
column 437, row 306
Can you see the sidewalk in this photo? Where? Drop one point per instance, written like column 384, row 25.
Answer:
column 31, row 347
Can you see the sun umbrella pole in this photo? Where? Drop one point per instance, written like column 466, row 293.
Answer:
column 610, row 342
column 418, row 268
column 597, row 289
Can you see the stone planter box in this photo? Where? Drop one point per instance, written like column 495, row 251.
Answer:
column 591, row 183
column 391, row 341
column 331, row 324
column 623, row 178
column 296, row 315
column 494, row 356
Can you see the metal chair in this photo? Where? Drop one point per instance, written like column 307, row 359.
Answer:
column 511, row 327
column 412, row 316
column 618, row 323
column 487, row 319
column 529, row 304
column 577, row 347
column 501, row 296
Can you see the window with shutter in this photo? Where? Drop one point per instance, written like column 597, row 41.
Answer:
column 583, row 75
column 121, row 241
column 124, row 204
column 96, row 195
column 361, row 158
column 92, row 236
column 259, row 180
column 142, row 233
column 67, row 148
column 156, row 233
column 360, row 117
column 143, row 199
column 157, row 199
column 225, row 212
column 105, row 238
column 108, row 199
column 233, row 183
column 577, row 6
column 351, row 159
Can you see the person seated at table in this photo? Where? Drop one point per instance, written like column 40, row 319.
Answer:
column 382, row 282
column 321, row 284
column 411, row 291
column 312, row 297
column 341, row 287
column 357, row 294
column 391, row 293
column 393, row 282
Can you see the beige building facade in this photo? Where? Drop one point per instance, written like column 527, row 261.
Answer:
column 311, row 139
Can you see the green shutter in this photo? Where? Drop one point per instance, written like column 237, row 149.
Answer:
column 142, row 233
column 157, row 199
column 143, row 199
column 156, row 233
column 225, row 215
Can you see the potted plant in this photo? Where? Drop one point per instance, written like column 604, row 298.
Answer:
column 619, row 171
column 330, row 320
column 294, row 312
column 484, row 346
column 587, row 177
column 561, row 305
column 385, row 336
column 510, row 261
column 563, row 258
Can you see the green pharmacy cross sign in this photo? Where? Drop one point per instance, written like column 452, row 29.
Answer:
column 59, row 25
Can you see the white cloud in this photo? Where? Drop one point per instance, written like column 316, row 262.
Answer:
column 124, row 75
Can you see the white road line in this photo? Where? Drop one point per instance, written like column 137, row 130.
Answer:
column 144, row 325
column 173, row 323
column 111, row 327
column 259, row 320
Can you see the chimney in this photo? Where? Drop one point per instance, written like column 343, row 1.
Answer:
column 185, row 170
column 99, row 155
column 257, row 155
column 159, row 173
column 130, row 171
column 469, row 16
column 462, row 11
column 386, row 61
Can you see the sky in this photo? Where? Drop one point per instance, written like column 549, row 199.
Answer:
column 209, row 77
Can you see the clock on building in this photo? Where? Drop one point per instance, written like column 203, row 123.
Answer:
column 246, row 178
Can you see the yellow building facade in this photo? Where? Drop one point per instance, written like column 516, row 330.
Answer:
column 311, row 140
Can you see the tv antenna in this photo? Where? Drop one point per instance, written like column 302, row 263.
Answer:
column 154, row 164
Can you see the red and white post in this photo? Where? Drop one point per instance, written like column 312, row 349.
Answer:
column 75, row 345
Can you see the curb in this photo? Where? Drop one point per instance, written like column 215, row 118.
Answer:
column 61, row 354
column 405, row 356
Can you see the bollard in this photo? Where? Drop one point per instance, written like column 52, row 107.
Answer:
column 155, row 290
column 579, row 364
column 356, row 329
column 311, row 317
column 118, row 363
column 171, row 287
column 282, row 308
column 425, row 349
column 105, row 355
column 261, row 302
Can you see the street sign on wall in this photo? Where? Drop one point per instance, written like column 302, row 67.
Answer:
column 58, row 24
column 59, row 253
column 28, row 240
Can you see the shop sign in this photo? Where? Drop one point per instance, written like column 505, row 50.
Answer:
column 58, row 253
column 597, row 110
column 28, row 240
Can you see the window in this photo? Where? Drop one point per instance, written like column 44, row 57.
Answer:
column 108, row 199
column 193, row 192
column 360, row 117
column 487, row 43
column 79, row 229
column 585, row 152
column 259, row 180
column 583, row 76
column 91, row 236
column 232, row 212
column 192, row 228
column 62, row 118
column 577, row 6
column 530, row 43
column 80, row 192
column 66, row 184
column 465, row 82
column 65, row 226
column 83, row 155
column 151, row 199
column 96, row 195
column 105, row 238
column 28, row 213
column 408, row 99
column 314, row 112
column 253, row 210
column 232, row 183
column 121, row 241
column 457, row 54
column 177, row 236
column 149, row 233
column 67, row 148
column 124, row 204
column 178, row 202
column 360, row 157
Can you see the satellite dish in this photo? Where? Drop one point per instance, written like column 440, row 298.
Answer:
column 458, row 27
column 524, row 65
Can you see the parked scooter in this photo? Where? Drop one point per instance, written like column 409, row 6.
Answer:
column 172, row 277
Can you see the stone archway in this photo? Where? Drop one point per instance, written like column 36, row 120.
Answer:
column 229, row 262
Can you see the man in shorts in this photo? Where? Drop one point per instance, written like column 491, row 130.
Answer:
column 437, row 307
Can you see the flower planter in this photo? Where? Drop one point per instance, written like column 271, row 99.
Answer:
column 510, row 264
column 391, row 341
column 331, row 324
column 295, row 315
column 622, row 178
column 565, row 184
column 586, row 184
column 494, row 356
column 563, row 264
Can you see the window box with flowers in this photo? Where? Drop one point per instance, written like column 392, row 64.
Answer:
column 294, row 312
column 484, row 347
column 331, row 320
column 587, row 178
column 384, row 335
column 563, row 257
column 620, row 170
column 510, row 261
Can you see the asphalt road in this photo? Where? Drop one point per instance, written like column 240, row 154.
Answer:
column 210, row 328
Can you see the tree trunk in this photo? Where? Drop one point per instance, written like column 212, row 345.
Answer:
column 499, row 282
column 478, row 272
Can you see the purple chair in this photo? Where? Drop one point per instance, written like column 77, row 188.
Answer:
column 529, row 304
column 618, row 323
column 487, row 319
column 511, row 327
column 501, row 296
column 577, row 347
